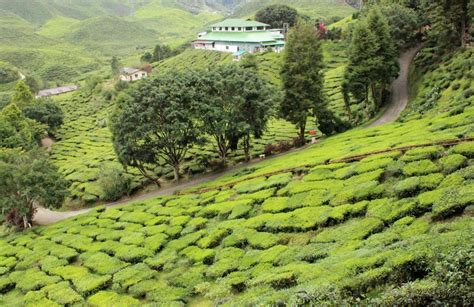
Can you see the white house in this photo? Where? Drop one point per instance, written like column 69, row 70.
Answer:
column 238, row 35
column 132, row 74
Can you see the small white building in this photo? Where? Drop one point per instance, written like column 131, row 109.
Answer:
column 238, row 35
column 132, row 74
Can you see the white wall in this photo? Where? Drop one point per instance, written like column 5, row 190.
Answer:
column 136, row 76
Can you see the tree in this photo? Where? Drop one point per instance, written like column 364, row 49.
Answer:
column 27, row 180
column 386, row 68
column 33, row 83
column 237, row 104
column 302, row 76
column 147, row 57
column 404, row 24
column 115, row 66
column 17, row 131
column 114, row 182
column 363, row 64
column 22, row 95
column 277, row 15
column 157, row 122
column 7, row 73
column 256, row 106
column 47, row 112
column 161, row 52
column 450, row 21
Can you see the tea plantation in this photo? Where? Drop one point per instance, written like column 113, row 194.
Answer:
column 85, row 134
column 372, row 216
column 357, row 226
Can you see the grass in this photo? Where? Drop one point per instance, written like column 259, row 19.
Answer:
column 266, row 253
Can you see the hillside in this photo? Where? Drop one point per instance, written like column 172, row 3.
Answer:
column 316, row 9
column 318, row 226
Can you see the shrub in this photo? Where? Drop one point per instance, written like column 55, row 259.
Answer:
column 417, row 168
column 275, row 204
column 132, row 275
column 114, row 183
column 62, row 293
column 354, row 229
column 156, row 242
column 109, row 298
column 390, row 210
column 199, row 255
column 466, row 149
column 133, row 254
column 452, row 163
column 102, row 263
column 31, row 279
column 431, row 152
column 262, row 240
column 407, row 187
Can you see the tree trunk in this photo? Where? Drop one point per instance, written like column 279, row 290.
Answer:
column 367, row 102
column 247, row 148
column 382, row 92
column 176, row 172
column 302, row 131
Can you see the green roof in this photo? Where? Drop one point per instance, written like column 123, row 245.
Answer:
column 243, row 37
column 239, row 23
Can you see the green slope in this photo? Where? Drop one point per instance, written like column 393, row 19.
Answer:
column 316, row 9
column 324, row 230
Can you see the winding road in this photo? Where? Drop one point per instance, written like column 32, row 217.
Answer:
column 398, row 102
column 399, row 89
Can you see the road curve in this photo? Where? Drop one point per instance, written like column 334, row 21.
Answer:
column 398, row 103
column 399, row 90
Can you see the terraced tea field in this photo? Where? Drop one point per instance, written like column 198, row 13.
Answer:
column 371, row 222
column 312, row 226
column 85, row 147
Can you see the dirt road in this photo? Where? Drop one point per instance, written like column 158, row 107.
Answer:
column 399, row 89
column 398, row 103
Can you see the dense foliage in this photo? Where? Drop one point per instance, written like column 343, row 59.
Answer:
column 157, row 121
column 46, row 112
column 27, row 180
column 237, row 105
column 302, row 77
column 277, row 16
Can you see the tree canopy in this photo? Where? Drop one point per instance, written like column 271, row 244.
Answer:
column 277, row 15
column 157, row 120
column 22, row 95
column 237, row 105
column 27, row 180
column 47, row 112
column 303, row 79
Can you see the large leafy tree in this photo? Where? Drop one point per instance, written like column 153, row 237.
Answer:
column 302, row 76
column 404, row 24
column 277, row 15
column 18, row 131
column 157, row 122
column 237, row 104
column 28, row 180
column 46, row 112
column 22, row 95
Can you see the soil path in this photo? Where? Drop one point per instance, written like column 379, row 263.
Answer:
column 399, row 89
column 45, row 216
column 47, row 143
column 398, row 103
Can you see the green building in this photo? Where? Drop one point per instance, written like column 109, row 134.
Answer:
column 240, row 36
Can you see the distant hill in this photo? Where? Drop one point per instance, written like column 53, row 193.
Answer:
column 313, row 8
column 81, row 35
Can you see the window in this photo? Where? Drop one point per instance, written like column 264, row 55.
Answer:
column 220, row 29
column 248, row 28
column 227, row 47
column 233, row 28
column 260, row 28
column 240, row 28
column 143, row 74
column 227, row 28
column 136, row 75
